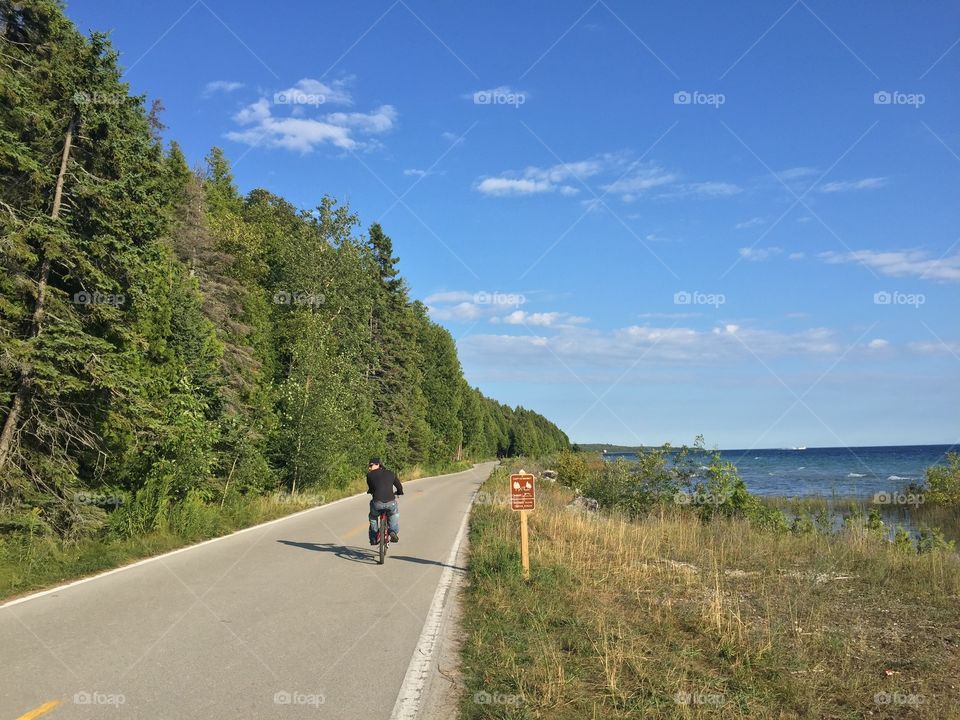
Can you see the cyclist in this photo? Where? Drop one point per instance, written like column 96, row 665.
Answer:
column 380, row 484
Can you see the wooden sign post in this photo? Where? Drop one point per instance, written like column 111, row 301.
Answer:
column 523, row 499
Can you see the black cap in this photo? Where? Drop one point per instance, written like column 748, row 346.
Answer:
column 374, row 461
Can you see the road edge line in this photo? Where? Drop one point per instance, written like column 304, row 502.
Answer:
column 407, row 705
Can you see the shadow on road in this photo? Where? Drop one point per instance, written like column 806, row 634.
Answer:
column 361, row 555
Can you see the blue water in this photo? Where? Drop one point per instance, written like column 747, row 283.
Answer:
column 845, row 472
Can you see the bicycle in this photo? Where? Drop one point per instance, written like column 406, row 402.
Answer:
column 383, row 534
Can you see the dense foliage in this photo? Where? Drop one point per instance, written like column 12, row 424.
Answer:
column 166, row 342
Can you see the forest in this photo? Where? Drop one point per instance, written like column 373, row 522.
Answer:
column 167, row 341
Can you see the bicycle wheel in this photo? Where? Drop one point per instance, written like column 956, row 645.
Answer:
column 383, row 537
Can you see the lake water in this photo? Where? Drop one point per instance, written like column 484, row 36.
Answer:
column 846, row 472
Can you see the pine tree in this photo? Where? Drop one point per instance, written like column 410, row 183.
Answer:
column 396, row 361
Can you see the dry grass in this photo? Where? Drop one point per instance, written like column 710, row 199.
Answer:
column 669, row 617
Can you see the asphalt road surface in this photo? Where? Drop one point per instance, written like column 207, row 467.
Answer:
column 293, row 619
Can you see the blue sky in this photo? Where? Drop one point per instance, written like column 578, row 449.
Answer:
column 645, row 220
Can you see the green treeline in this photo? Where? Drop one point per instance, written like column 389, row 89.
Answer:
column 166, row 341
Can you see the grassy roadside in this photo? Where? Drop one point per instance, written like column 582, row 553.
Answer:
column 670, row 617
column 34, row 563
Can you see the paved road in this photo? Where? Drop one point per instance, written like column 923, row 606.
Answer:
column 296, row 611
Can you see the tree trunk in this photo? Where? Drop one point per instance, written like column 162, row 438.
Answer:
column 23, row 390
column 303, row 412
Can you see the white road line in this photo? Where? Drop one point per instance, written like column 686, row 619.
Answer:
column 408, row 702
column 81, row 581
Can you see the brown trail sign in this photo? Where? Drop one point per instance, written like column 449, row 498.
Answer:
column 521, row 492
column 522, row 498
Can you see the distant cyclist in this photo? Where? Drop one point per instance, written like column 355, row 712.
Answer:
column 380, row 484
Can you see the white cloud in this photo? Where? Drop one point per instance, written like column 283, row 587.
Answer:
column 639, row 181
column 878, row 344
column 548, row 319
column 706, row 189
column 948, row 347
column 795, row 173
column 321, row 93
column 452, row 138
column 498, row 307
column 759, row 254
column 450, row 296
column 415, row 172
column 752, row 222
column 304, row 134
column 224, row 86
column 379, row 121
column 901, row 263
column 461, row 305
column 500, row 187
column 460, row 311
column 536, row 180
column 577, row 346
column 653, row 237
column 870, row 183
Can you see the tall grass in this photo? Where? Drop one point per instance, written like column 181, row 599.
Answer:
column 666, row 615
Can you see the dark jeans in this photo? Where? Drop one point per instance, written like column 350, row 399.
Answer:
column 393, row 513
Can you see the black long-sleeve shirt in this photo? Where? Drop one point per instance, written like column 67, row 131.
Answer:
column 380, row 484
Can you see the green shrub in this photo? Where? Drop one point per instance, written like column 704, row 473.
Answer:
column 573, row 469
column 943, row 481
column 802, row 523
column 932, row 540
column 902, row 540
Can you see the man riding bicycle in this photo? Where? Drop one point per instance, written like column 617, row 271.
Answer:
column 380, row 484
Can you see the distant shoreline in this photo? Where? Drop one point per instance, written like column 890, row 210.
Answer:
column 599, row 447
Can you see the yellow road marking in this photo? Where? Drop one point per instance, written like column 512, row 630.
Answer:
column 42, row 710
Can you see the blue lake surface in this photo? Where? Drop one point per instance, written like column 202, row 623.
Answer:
column 846, row 472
